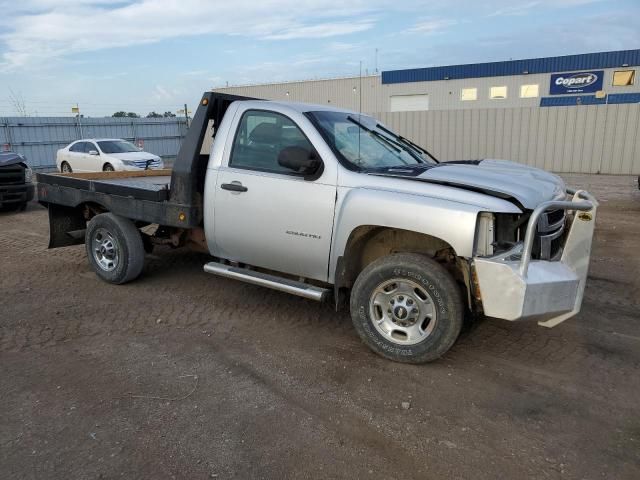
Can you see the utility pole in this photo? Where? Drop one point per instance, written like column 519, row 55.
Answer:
column 186, row 115
column 76, row 110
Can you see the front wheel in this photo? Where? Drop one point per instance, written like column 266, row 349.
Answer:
column 65, row 168
column 114, row 248
column 407, row 308
column 108, row 168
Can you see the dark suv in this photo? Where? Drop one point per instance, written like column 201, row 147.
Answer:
column 16, row 189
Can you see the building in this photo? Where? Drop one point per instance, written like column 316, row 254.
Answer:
column 594, row 78
column 575, row 113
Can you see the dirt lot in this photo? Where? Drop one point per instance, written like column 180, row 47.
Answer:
column 185, row 375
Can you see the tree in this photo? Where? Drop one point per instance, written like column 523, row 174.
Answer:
column 18, row 103
column 169, row 115
column 125, row 114
column 154, row 115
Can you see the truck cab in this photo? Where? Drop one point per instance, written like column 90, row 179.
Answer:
column 16, row 189
column 331, row 204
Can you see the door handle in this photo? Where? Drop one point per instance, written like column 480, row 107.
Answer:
column 234, row 187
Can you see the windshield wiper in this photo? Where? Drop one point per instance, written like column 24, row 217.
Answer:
column 388, row 142
column 399, row 146
column 408, row 142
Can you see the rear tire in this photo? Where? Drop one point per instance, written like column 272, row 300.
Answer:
column 108, row 168
column 406, row 307
column 65, row 168
column 114, row 248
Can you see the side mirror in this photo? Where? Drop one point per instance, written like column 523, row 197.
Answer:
column 93, row 152
column 302, row 161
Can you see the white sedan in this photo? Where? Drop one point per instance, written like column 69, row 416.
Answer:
column 105, row 155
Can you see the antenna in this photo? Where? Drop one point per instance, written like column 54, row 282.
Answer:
column 360, row 88
column 376, row 60
column 360, row 113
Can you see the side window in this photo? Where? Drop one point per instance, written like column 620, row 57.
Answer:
column 90, row 146
column 77, row 147
column 260, row 138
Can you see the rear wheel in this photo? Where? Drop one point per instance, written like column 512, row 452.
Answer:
column 407, row 307
column 108, row 168
column 114, row 248
column 65, row 168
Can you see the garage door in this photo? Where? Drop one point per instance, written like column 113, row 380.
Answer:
column 409, row 103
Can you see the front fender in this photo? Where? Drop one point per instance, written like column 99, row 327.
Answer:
column 450, row 221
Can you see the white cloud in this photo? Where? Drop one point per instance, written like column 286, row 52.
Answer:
column 432, row 25
column 161, row 93
column 41, row 29
column 322, row 30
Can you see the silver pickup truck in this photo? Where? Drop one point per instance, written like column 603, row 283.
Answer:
column 330, row 204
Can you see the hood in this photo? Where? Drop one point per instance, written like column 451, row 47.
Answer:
column 11, row 158
column 133, row 156
column 528, row 185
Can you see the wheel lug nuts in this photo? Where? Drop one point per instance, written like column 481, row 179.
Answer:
column 400, row 299
column 409, row 302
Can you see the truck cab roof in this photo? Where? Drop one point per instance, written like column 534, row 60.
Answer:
column 301, row 107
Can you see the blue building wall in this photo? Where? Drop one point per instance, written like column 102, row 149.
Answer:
column 587, row 61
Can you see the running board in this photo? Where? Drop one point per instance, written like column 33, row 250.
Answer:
column 293, row 287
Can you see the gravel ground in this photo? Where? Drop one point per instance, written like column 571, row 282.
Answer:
column 185, row 375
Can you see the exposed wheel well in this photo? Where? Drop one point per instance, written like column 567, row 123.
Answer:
column 370, row 242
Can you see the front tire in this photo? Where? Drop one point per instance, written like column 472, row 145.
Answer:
column 108, row 168
column 406, row 307
column 65, row 168
column 114, row 248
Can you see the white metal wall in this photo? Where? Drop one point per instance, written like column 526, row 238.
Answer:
column 578, row 139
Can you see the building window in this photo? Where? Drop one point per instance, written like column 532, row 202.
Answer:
column 409, row 103
column 498, row 93
column 529, row 91
column 467, row 94
column 624, row 78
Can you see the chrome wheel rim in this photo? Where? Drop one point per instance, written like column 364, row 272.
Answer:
column 105, row 250
column 66, row 168
column 402, row 311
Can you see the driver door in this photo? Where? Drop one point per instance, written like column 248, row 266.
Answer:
column 265, row 214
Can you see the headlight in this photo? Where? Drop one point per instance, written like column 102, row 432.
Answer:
column 485, row 234
column 129, row 163
column 28, row 175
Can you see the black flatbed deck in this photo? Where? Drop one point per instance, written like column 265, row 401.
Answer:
column 142, row 196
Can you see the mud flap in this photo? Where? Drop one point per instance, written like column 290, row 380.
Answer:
column 67, row 226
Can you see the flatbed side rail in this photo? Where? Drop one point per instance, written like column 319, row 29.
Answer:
column 588, row 203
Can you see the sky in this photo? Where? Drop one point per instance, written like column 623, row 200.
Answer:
column 157, row 55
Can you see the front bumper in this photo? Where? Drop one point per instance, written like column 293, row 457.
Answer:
column 512, row 286
column 16, row 194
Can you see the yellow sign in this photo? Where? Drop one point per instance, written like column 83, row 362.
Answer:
column 75, row 109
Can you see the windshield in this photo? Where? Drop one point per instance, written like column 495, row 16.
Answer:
column 117, row 146
column 362, row 142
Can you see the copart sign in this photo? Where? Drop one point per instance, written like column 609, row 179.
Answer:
column 576, row 82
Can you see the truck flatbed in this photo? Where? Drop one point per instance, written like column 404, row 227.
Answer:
column 150, row 185
column 142, row 196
